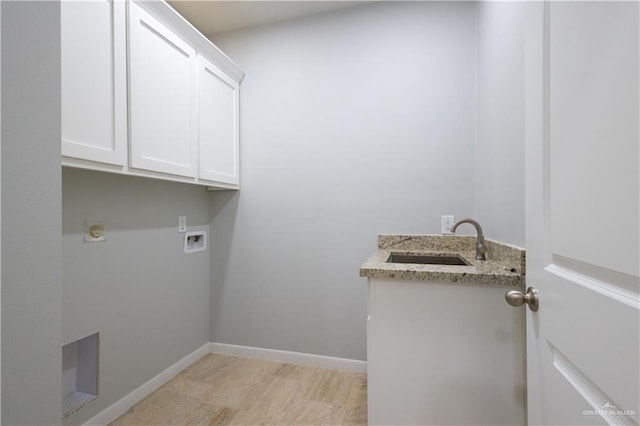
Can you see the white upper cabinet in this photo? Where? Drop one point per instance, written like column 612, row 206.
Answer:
column 218, row 124
column 145, row 94
column 162, row 94
column 94, row 98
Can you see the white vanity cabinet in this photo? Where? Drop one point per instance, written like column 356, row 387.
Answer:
column 162, row 93
column 94, row 96
column 146, row 94
column 443, row 353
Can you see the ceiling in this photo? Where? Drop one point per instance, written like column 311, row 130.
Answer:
column 211, row 17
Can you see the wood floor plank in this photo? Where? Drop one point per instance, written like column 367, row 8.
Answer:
column 204, row 414
column 162, row 407
column 225, row 390
column 270, row 404
column 235, row 387
column 209, row 367
column 316, row 413
column 356, row 407
column 330, row 386
column 358, row 390
column 297, row 372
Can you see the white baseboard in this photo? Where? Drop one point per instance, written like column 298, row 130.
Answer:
column 344, row 364
column 117, row 409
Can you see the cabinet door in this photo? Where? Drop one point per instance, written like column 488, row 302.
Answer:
column 440, row 353
column 162, row 97
column 218, row 124
column 94, row 98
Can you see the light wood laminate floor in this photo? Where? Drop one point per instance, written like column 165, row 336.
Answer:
column 226, row 390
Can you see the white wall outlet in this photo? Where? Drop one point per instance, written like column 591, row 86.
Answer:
column 446, row 223
column 94, row 232
column 182, row 224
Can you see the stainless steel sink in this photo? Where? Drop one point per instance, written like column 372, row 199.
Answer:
column 427, row 259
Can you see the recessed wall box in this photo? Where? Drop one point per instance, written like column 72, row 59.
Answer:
column 195, row 241
column 79, row 373
column 93, row 232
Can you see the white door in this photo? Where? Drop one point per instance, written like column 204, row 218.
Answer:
column 218, row 124
column 94, row 97
column 582, row 131
column 162, row 91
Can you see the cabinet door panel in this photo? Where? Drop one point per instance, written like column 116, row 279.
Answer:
column 218, row 124
column 162, row 88
column 430, row 364
column 94, row 81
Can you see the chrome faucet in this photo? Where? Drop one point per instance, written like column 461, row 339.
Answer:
column 480, row 248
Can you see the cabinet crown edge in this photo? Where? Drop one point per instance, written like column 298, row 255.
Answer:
column 203, row 46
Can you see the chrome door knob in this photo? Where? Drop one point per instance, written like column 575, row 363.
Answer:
column 516, row 298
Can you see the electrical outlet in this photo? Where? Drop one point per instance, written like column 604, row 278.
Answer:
column 182, row 224
column 446, row 223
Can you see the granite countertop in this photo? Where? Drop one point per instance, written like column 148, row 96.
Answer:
column 504, row 267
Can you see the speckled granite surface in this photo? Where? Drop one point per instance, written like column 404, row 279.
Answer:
column 504, row 267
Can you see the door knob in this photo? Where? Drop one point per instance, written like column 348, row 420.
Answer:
column 516, row 298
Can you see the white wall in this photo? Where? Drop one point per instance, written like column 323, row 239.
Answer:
column 147, row 298
column 500, row 133
column 500, row 152
column 31, row 218
column 353, row 124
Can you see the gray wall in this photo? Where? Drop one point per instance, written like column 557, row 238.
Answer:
column 500, row 145
column 31, row 248
column 147, row 298
column 353, row 124
column 500, row 149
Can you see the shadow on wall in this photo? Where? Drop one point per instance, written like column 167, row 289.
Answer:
column 224, row 207
column 126, row 203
